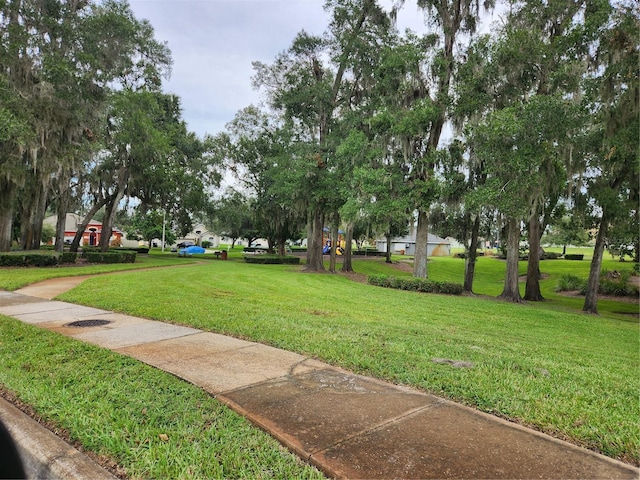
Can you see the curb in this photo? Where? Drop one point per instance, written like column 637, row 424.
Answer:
column 45, row 455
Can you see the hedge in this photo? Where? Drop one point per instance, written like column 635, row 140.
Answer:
column 573, row 256
column 415, row 284
column 111, row 257
column 141, row 250
column 28, row 260
column 369, row 253
column 272, row 259
column 68, row 257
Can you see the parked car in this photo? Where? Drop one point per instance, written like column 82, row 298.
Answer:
column 185, row 244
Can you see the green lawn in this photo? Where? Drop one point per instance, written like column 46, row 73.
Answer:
column 572, row 375
column 14, row 278
column 150, row 423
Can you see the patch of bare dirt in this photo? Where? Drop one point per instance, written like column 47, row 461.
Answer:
column 576, row 293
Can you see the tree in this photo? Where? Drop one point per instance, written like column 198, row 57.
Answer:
column 59, row 60
column 516, row 143
column 474, row 96
column 268, row 163
column 450, row 19
column 568, row 230
column 614, row 97
column 306, row 84
column 232, row 217
column 544, row 46
column 149, row 226
column 149, row 155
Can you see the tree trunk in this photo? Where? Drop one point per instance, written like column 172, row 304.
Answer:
column 511, row 291
column 83, row 225
column 109, row 219
column 348, row 240
column 388, row 252
column 593, row 284
column 7, row 197
column 422, row 237
column 471, row 256
column 33, row 211
column 61, row 211
column 310, row 239
column 315, row 262
column 333, row 251
column 532, row 290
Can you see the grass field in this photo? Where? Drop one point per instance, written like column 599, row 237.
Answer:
column 546, row 365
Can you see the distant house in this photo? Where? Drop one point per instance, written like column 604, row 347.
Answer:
column 91, row 235
column 436, row 246
column 198, row 234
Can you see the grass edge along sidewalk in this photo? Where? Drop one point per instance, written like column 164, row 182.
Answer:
column 567, row 374
column 133, row 419
column 218, row 288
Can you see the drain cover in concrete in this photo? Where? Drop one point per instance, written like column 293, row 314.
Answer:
column 94, row 322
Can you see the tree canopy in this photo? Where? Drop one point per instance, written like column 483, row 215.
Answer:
column 543, row 112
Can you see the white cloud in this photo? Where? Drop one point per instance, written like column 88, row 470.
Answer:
column 214, row 42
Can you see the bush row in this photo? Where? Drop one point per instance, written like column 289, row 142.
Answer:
column 36, row 259
column 111, row 257
column 28, row 260
column 53, row 259
column 93, row 249
column 415, row 284
column 272, row 259
column 369, row 253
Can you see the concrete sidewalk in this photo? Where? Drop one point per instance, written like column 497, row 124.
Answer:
column 347, row 425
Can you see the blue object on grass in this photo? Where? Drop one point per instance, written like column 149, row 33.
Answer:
column 191, row 250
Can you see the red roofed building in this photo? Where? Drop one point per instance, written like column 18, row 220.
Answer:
column 91, row 235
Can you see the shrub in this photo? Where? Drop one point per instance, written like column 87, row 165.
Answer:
column 551, row 255
column 111, row 257
column 568, row 283
column 68, row 257
column 87, row 249
column 611, row 283
column 415, row 284
column 206, row 244
column 272, row 259
column 28, row 260
column 369, row 253
column 573, row 256
column 616, row 284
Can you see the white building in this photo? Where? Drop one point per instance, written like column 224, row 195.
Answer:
column 200, row 233
column 436, row 246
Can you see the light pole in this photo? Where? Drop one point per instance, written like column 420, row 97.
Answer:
column 164, row 213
